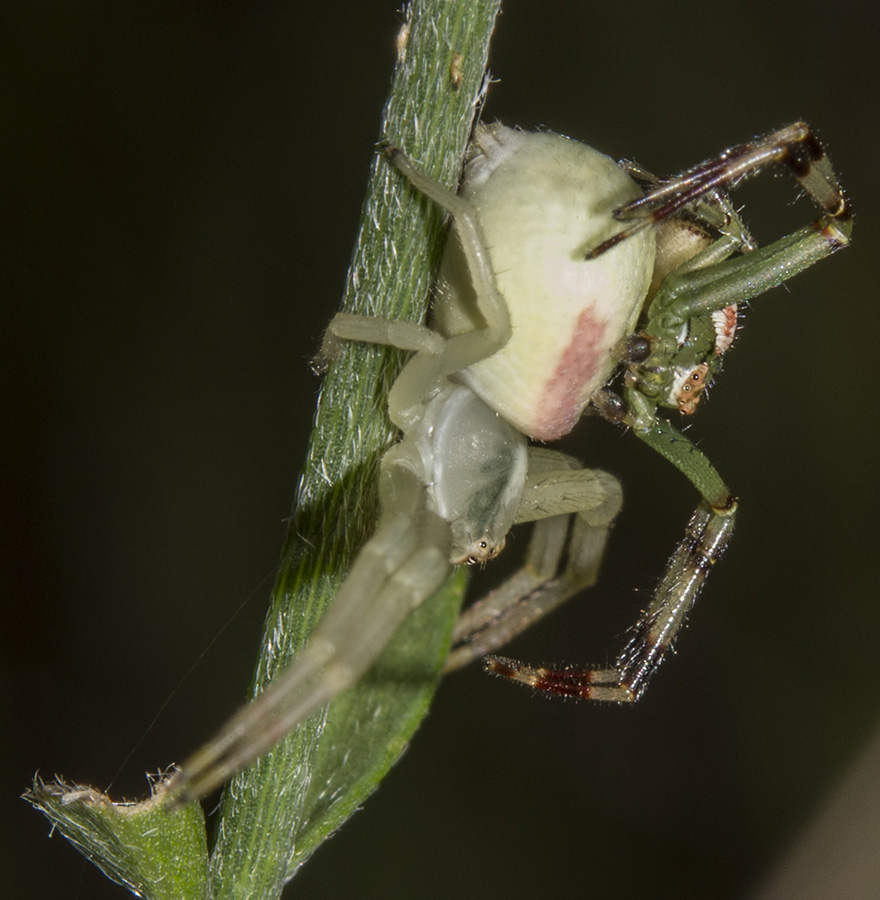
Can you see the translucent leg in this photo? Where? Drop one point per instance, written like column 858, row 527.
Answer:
column 465, row 349
column 374, row 330
column 404, row 563
column 557, row 488
column 466, row 223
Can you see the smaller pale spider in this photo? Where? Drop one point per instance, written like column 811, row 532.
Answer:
column 562, row 266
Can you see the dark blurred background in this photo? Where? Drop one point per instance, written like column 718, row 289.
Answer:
column 182, row 190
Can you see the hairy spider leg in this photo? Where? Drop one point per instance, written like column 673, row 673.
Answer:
column 405, row 561
column 558, row 489
column 707, row 537
column 794, row 146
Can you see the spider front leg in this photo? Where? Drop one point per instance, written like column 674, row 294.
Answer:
column 707, row 537
column 794, row 146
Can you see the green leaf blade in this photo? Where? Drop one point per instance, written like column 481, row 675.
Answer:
column 277, row 812
column 155, row 854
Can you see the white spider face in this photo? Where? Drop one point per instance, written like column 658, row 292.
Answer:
column 480, row 551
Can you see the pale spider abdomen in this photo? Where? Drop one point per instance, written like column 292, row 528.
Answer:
column 544, row 201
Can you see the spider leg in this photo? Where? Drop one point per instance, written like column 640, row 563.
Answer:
column 706, row 539
column 794, row 146
column 712, row 209
column 470, row 347
column 397, row 333
column 701, row 288
column 707, row 536
column 402, row 564
column 436, row 357
column 557, row 490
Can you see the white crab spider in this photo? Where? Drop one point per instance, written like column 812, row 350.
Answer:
column 551, row 268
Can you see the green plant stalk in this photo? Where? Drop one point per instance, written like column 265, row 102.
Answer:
column 275, row 813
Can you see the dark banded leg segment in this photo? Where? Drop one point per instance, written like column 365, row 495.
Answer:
column 706, row 539
column 794, row 146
